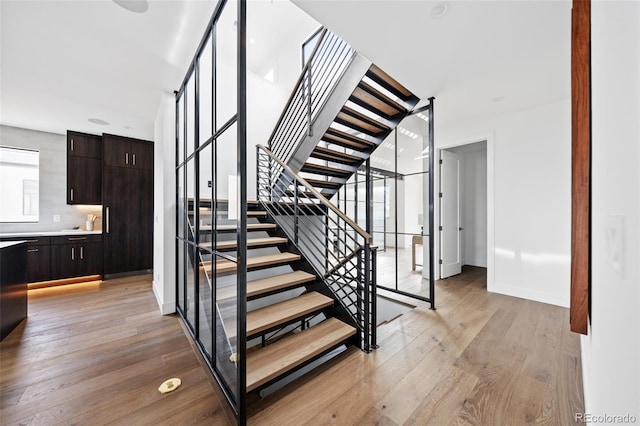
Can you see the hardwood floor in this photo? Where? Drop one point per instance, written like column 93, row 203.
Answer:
column 96, row 354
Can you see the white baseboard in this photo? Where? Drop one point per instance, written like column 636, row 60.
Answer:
column 524, row 293
column 166, row 308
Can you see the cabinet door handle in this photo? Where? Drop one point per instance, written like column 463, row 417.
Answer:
column 33, row 251
column 71, row 144
column 71, row 194
column 32, row 241
column 82, row 252
column 107, row 220
column 77, row 238
column 73, row 253
column 134, row 159
column 126, row 158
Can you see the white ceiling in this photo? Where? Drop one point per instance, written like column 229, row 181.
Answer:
column 63, row 62
column 476, row 52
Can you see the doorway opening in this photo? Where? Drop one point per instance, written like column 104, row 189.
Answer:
column 463, row 208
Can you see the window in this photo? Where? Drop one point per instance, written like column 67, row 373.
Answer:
column 19, row 185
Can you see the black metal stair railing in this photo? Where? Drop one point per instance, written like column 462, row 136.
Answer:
column 323, row 70
column 338, row 249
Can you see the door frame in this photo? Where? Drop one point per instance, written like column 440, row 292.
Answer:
column 489, row 139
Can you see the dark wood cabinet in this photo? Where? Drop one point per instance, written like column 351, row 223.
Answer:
column 84, row 168
column 13, row 286
column 76, row 256
column 38, row 257
column 120, row 151
column 127, row 193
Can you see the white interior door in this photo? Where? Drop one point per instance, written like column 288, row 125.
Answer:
column 450, row 229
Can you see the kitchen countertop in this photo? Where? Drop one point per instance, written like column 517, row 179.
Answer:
column 6, row 244
column 48, row 233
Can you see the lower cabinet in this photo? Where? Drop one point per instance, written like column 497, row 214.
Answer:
column 76, row 256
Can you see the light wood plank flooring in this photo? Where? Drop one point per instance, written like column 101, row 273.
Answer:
column 96, row 353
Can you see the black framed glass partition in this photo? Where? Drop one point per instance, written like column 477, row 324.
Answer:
column 211, row 197
column 401, row 206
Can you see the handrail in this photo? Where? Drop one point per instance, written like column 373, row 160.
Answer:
column 318, row 195
column 341, row 256
column 303, row 75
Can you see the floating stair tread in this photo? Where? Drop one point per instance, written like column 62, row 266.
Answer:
column 282, row 312
column 233, row 227
column 352, row 141
column 252, row 242
column 385, row 80
column 225, row 265
column 278, row 282
column 355, row 119
column 319, row 183
column 335, row 156
column 294, row 350
column 325, row 170
column 368, row 95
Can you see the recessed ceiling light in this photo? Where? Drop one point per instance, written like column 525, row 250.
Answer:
column 137, row 6
column 98, row 121
column 439, row 10
column 252, row 40
column 497, row 99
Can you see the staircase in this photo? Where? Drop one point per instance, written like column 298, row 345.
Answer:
column 340, row 130
column 292, row 320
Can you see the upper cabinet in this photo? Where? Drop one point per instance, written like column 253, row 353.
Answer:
column 120, row 151
column 84, row 168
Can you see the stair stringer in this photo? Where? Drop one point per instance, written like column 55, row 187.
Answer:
column 349, row 80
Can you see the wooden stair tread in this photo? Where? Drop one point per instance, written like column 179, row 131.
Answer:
column 335, row 156
column 282, row 312
column 278, row 282
column 388, row 82
column 358, row 121
column 319, row 183
column 325, row 170
column 232, row 227
column 276, row 359
column 251, row 242
column 366, row 96
column 347, row 140
column 225, row 265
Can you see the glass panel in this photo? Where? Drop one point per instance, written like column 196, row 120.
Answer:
column 180, row 129
column 181, row 274
column 205, row 198
column 205, row 302
column 226, row 175
column 205, row 92
column 191, row 265
column 226, row 67
column 19, row 183
column 181, row 207
column 226, row 325
column 380, row 211
column 191, row 116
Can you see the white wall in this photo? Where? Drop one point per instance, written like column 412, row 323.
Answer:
column 53, row 182
column 529, row 199
column 611, row 351
column 164, row 200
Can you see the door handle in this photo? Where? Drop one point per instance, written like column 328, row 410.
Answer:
column 73, row 253
column 107, row 219
column 77, row 238
column 134, row 159
column 460, row 229
column 35, row 250
column 82, row 252
column 126, row 158
column 71, row 194
column 71, row 144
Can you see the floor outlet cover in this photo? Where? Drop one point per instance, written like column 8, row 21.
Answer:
column 170, row 385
